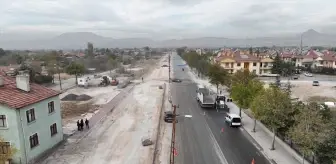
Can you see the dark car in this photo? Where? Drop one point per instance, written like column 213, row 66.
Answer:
column 295, row 77
column 164, row 65
column 176, row 80
column 169, row 117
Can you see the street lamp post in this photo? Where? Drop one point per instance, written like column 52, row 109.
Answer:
column 172, row 154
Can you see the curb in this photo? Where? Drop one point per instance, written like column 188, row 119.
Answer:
column 159, row 123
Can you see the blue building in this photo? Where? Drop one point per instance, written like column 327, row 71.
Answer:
column 30, row 118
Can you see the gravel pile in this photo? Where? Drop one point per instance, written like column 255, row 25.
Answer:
column 70, row 97
column 74, row 97
column 83, row 97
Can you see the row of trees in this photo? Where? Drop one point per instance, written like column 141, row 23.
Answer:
column 310, row 126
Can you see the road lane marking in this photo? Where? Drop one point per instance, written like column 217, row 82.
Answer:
column 216, row 146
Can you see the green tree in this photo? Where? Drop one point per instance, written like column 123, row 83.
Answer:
column 242, row 76
column 276, row 68
column 2, row 52
column 75, row 69
column 217, row 75
column 326, row 150
column 309, row 129
column 272, row 107
column 90, row 49
column 9, row 152
column 243, row 94
column 112, row 64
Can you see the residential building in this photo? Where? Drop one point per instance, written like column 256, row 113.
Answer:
column 30, row 117
column 233, row 61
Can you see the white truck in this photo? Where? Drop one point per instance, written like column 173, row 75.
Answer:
column 204, row 97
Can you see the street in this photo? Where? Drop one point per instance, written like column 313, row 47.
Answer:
column 200, row 139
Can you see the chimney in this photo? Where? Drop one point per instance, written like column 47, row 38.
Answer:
column 22, row 82
column 2, row 83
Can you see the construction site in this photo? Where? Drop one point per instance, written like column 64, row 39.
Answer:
column 127, row 135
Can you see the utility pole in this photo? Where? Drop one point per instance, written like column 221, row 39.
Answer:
column 59, row 75
column 169, row 66
column 172, row 146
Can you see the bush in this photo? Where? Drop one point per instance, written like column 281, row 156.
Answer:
column 43, row 79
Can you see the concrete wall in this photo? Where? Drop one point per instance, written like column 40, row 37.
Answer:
column 11, row 133
column 41, row 126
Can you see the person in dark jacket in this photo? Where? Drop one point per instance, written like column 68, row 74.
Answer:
column 82, row 124
column 78, row 125
column 87, row 123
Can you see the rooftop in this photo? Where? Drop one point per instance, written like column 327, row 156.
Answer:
column 15, row 98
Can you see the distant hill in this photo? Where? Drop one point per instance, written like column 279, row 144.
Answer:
column 79, row 40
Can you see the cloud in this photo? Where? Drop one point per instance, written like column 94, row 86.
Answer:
column 168, row 18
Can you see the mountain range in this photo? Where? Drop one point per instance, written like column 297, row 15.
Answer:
column 78, row 40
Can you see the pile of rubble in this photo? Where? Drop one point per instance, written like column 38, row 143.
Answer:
column 74, row 97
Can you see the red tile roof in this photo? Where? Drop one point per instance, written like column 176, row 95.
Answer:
column 16, row 98
column 328, row 58
column 311, row 54
column 286, row 55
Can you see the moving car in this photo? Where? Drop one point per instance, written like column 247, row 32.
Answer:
column 316, row 83
column 295, row 77
column 308, row 74
column 233, row 119
column 176, row 80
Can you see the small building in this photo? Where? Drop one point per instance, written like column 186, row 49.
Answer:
column 232, row 61
column 30, row 118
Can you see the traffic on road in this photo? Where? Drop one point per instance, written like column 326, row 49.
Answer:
column 208, row 137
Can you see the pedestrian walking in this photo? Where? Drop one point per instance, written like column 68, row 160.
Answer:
column 78, row 125
column 82, row 124
column 87, row 123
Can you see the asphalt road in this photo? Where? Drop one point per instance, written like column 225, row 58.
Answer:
column 199, row 140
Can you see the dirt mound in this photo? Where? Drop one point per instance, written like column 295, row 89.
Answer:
column 83, row 97
column 70, row 97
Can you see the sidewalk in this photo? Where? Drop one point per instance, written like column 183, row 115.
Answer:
column 282, row 154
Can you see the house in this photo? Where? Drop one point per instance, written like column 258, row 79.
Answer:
column 233, row 61
column 30, row 118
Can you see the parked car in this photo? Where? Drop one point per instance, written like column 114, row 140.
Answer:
column 164, row 65
column 233, row 119
column 169, row 117
column 295, row 77
column 176, row 80
column 316, row 83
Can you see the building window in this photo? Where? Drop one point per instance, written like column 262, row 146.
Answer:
column 3, row 121
column 238, row 64
column 30, row 115
column 51, row 107
column 33, row 140
column 53, row 129
column 254, row 64
column 4, row 147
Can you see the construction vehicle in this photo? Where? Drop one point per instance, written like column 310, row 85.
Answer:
column 105, row 81
column 220, row 103
column 114, row 81
column 204, row 98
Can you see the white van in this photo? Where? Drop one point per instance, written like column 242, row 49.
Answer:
column 233, row 119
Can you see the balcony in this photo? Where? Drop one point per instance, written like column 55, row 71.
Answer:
column 266, row 67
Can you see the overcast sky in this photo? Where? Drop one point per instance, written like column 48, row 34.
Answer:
column 168, row 18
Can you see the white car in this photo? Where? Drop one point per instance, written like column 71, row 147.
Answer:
column 233, row 119
column 308, row 74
